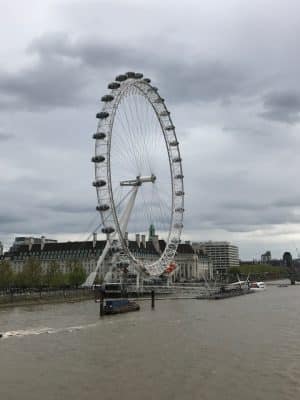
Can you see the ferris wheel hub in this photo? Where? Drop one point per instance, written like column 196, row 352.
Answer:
column 139, row 180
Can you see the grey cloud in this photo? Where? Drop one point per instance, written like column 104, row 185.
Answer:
column 245, row 206
column 62, row 72
column 5, row 136
column 9, row 219
column 92, row 52
column 48, row 83
column 291, row 203
column 239, row 220
column 282, row 106
column 70, row 208
column 245, row 131
column 287, row 202
column 237, row 179
column 203, row 80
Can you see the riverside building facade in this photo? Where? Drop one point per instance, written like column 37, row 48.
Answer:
column 222, row 255
column 87, row 253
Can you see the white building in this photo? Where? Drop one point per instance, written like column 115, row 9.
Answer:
column 222, row 255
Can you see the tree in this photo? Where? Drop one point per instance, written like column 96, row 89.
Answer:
column 6, row 275
column 76, row 274
column 233, row 274
column 31, row 276
column 234, row 271
column 54, row 278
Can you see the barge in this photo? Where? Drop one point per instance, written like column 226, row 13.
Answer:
column 223, row 293
column 230, row 293
column 120, row 306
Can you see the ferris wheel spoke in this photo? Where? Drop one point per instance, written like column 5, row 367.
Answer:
column 146, row 209
column 164, row 208
column 128, row 141
column 146, row 136
column 129, row 135
column 137, row 134
column 142, row 130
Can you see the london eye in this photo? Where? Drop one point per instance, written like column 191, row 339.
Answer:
column 138, row 173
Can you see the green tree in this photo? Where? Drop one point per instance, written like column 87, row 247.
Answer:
column 76, row 274
column 32, row 274
column 6, row 275
column 18, row 280
column 54, row 278
column 234, row 271
column 264, row 271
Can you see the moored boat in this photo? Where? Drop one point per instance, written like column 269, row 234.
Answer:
column 257, row 286
column 120, row 306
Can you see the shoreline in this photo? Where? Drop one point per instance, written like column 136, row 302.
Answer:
column 35, row 301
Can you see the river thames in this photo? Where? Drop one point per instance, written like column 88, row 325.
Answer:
column 244, row 347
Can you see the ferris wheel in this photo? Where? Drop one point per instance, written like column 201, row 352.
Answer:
column 138, row 173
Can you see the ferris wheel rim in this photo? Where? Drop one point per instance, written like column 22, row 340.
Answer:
column 119, row 89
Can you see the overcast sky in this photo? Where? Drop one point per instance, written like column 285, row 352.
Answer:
column 229, row 71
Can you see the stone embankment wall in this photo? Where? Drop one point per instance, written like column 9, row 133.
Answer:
column 27, row 296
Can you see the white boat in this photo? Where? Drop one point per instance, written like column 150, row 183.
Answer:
column 257, row 286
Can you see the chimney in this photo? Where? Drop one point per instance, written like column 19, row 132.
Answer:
column 126, row 237
column 43, row 241
column 138, row 239
column 94, row 239
column 144, row 240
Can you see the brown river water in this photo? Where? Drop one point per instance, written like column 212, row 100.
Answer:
column 244, row 347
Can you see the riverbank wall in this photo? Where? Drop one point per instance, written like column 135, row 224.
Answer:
column 35, row 297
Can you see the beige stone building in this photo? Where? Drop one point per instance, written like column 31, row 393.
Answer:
column 190, row 267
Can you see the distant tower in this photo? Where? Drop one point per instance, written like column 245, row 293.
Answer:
column 288, row 264
column 151, row 232
column 1, row 249
column 266, row 257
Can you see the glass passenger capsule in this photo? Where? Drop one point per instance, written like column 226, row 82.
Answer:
column 98, row 159
column 178, row 226
column 107, row 98
column 164, row 113
column 103, row 207
column 177, row 159
column 102, row 115
column 121, row 78
column 99, row 183
column 108, row 230
column 99, row 135
column 170, row 128
column 113, row 85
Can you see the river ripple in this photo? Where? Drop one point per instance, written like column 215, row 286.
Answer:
column 245, row 347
